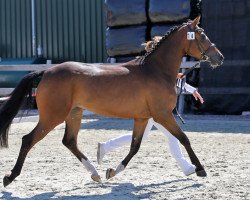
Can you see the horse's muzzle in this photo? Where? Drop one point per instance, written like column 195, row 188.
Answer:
column 216, row 60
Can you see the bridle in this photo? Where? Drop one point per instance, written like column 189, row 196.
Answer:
column 204, row 53
column 204, row 57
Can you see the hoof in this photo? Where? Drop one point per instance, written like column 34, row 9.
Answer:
column 110, row 173
column 6, row 181
column 96, row 178
column 201, row 173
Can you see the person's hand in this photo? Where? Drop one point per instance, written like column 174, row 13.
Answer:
column 180, row 76
column 197, row 96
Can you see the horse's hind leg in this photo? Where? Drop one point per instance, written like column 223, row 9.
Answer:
column 51, row 114
column 28, row 141
column 73, row 122
column 170, row 124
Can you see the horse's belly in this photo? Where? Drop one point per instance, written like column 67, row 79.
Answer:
column 118, row 110
column 122, row 106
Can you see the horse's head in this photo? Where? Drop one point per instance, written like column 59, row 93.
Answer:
column 200, row 47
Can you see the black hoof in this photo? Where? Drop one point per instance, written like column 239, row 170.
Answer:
column 6, row 181
column 110, row 173
column 201, row 173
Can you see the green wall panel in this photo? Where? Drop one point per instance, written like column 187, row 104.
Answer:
column 65, row 29
column 15, row 28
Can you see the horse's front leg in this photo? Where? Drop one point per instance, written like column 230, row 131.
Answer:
column 169, row 122
column 139, row 127
column 73, row 122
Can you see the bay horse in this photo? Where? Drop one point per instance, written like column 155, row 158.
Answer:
column 139, row 89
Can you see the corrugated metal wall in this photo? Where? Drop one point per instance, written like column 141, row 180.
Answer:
column 15, row 29
column 65, row 29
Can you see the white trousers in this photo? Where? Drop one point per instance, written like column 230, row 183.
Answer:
column 172, row 142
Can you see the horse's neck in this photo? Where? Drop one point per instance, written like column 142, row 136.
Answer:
column 167, row 58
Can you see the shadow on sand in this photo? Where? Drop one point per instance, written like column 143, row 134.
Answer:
column 118, row 191
column 193, row 124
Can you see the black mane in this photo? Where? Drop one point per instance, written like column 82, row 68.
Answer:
column 147, row 54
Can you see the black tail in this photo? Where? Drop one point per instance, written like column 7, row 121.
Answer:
column 10, row 109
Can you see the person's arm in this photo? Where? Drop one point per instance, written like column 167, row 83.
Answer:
column 189, row 88
column 194, row 92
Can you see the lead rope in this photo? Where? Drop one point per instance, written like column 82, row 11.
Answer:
column 182, row 83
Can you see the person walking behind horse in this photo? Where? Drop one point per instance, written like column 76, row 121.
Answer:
column 112, row 144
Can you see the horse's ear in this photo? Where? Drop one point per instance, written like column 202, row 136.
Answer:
column 196, row 21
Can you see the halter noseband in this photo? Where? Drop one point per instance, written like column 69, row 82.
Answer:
column 203, row 52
